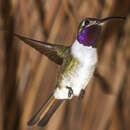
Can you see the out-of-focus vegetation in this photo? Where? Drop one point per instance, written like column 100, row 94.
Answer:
column 27, row 77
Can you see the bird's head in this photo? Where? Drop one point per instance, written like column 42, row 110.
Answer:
column 90, row 28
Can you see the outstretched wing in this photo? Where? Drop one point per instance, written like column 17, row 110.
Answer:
column 52, row 51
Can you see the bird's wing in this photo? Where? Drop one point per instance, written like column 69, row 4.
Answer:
column 52, row 51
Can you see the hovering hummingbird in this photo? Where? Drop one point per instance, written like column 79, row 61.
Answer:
column 77, row 61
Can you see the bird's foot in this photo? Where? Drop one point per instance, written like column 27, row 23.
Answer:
column 82, row 93
column 70, row 91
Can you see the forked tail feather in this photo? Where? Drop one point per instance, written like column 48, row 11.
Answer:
column 45, row 112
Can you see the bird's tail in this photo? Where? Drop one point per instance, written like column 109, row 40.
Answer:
column 42, row 117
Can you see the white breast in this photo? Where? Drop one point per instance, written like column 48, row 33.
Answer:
column 78, row 80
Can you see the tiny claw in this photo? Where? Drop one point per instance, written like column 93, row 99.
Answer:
column 82, row 93
column 70, row 91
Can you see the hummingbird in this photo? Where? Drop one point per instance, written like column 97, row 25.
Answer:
column 78, row 63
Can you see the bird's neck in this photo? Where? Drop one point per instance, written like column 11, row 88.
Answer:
column 84, row 53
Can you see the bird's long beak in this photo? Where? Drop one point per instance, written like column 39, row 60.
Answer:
column 102, row 21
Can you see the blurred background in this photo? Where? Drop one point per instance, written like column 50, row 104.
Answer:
column 27, row 78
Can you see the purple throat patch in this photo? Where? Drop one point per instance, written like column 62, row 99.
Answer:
column 89, row 35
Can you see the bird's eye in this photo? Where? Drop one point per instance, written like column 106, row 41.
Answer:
column 82, row 25
column 86, row 22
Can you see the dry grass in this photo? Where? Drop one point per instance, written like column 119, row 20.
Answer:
column 27, row 78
